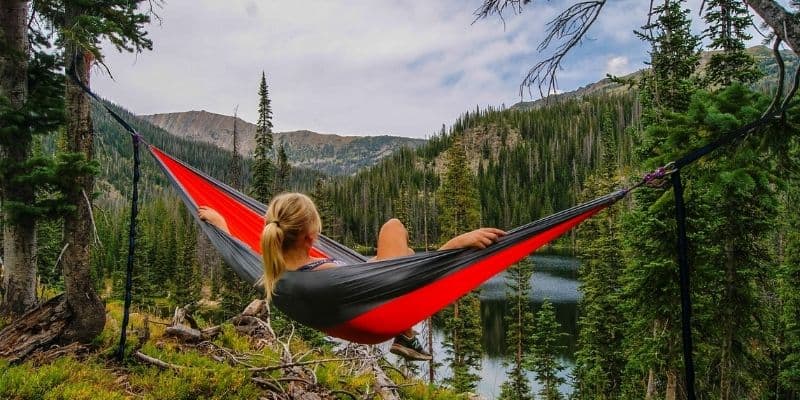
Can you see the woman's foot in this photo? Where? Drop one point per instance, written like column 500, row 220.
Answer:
column 409, row 348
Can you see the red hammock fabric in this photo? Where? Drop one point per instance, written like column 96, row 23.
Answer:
column 243, row 222
column 396, row 316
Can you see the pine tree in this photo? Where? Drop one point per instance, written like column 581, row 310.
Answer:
column 143, row 283
column 186, row 278
column 789, row 281
column 263, row 168
column 79, row 25
column 458, row 206
column 599, row 360
column 457, row 198
column 674, row 57
column 282, row 171
column 331, row 223
column 235, row 293
column 735, row 205
column 462, row 342
column 728, row 22
column 32, row 187
column 519, row 325
column 19, row 234
column 236, row 160
column 651, row 296
column 403, row 210
column 544, row 352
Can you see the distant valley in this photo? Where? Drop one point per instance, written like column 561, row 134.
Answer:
column 328, row 153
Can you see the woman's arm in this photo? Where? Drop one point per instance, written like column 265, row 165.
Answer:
column 479, row 238
column 211, row 216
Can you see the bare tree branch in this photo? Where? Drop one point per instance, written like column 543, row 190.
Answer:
column 571, row 27
column 492, row 7
column 780, row 20
column 776, row 51
column 154, row 361
column 304, row 363
column 568, row 28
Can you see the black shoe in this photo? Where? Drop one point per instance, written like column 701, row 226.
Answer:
column 409, row 348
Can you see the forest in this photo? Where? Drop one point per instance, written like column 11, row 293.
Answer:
column 196, row 330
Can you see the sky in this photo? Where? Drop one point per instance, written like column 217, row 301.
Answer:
column 356, row 67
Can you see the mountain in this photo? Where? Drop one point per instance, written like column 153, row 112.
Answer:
column 762, row 54
column 332, row 154
column 114, row 153
column 529, row 160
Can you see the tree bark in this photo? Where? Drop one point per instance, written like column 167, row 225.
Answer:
column 784, row 23
column 651, row 385
column 729, row 324
column 672, row 385
column 19, row 236
column 34, row 330
column 87, row 308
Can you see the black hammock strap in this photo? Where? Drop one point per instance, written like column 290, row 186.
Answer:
column 136, row 138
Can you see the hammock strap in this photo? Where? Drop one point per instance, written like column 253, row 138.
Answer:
column 136, row 138
column 686, row 300
column 72, row 74
column 131, row 248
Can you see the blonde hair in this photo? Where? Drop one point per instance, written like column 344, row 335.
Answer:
column 288, row 218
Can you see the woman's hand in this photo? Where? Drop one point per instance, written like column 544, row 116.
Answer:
column 479, row 239
column 211, row 216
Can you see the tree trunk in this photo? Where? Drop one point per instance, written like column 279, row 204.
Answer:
column 781, row 21
column 34, row 330
column 651, row 384
column 19, row 235
column 87, row 308
column 651, row 373
column 672, row 385
column 728, row 324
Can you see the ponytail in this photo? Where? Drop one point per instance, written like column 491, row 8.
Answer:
column 288, row 218
column 272, row 253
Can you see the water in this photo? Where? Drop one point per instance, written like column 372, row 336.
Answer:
column 554, row 278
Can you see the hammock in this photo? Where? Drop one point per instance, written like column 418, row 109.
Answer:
column 364, row 302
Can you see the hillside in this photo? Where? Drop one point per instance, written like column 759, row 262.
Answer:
column 331, row 154
column 527, row 163
column 113, row 151
column 529, row 160
column 762, row 54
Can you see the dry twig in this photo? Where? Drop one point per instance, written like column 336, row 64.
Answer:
column 154, row 361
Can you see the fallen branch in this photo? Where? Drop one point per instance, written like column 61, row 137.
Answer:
column 35, row 329
column 304, row 363
column 184, row 333
column 184, row 314
column 340, row 391
column 275, row 387
column 294, row 379
column 154, row 361
column 47, row 356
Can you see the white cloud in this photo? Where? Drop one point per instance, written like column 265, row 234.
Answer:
column 355, row 66
column 618, row 66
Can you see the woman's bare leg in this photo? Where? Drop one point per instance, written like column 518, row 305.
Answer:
column 393, row 242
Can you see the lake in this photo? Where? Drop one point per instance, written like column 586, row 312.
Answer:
column 554, row 278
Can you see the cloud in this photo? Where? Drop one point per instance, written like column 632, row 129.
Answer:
column 618, row 66
column 354, row 66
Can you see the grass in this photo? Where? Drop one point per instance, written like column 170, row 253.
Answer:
column 99, row 376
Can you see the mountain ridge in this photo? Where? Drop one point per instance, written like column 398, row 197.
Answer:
column 331, row 153
column 762, row 54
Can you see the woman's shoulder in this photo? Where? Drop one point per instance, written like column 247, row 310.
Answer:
column 320, row 264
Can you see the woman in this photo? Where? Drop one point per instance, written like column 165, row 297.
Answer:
column 293, row 225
